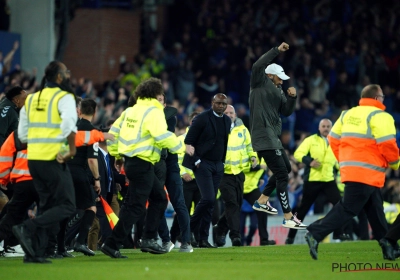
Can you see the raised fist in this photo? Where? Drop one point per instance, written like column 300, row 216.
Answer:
column 283, row 47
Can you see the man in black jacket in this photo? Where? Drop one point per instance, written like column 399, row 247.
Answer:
column 82, row 166
column 174, row 186
column 9, row 108
column 267, row 102
column 208, row 134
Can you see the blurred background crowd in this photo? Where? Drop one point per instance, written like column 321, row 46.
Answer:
column 336, row 48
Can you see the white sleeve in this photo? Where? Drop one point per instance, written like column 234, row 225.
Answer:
column 69, row 117
column 23, row 126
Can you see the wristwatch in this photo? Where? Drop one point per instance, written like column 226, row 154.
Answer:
column 97, row 179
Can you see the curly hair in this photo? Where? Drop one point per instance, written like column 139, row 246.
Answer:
column 149, row 88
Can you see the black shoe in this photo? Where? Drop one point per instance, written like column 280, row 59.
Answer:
column 193, row 240
column 345, row 237
column 387, row 249
column 83, row 249
column 206, row 244
column 151, row 246
column 396, row 254
column 52, row 255
column 236, row 242
column 218, row 237
column 29, row 259
column 22, row 234
column 65, row 254
column 312, row 244
column 267, row 242
column 112, row 253
column 289, row 241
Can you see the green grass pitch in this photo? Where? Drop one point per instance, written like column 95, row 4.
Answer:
column 261, row 263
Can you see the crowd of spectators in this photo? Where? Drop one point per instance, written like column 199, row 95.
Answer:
column 336, row 48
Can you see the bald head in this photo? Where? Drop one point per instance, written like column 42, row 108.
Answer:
column 220, row 96
column 325, row 126
column 230, row 112
column 219, row 103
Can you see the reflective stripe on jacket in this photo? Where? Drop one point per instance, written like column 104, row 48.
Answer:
column 85, row 138
column 13, row 163
column 363, row 140
column 144, row 133
column 239, row 151
column 44, row 132
column 315, row 147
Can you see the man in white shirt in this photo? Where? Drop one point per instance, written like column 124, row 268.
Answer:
column 47, row 123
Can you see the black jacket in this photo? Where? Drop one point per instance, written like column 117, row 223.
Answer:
column 267, row 102
column 202, row 134
column 8, row 119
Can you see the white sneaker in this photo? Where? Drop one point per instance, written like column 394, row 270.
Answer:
column 267, row 208
column 1, row 251
column 168, row 246
column 294, row 223
column 15, row 251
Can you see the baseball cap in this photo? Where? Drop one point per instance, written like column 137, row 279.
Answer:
column 276, row 69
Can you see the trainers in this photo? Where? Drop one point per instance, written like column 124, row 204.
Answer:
column 267, row 208
column 15, row 251
column 294, row 223
column 168, row 246
column 1, row 251
column 186, row 248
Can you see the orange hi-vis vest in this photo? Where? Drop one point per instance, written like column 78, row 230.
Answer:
column 13, row 170
column 14, row 162
column 363, row 140
column 84, row 138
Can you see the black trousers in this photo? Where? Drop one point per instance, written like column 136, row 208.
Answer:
column 231, row 189
column 311, row 190
column 54, row 186
column 24, row 195
column 143, row 184
column 394, row 232
column 356, row 197
column 246, row 240
column 208, row 176
column 262, row 217
column 191, row 194
column 278, row 162
column 174, row 186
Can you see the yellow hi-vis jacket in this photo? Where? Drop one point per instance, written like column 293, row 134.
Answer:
column 316, row 147
column 252, row 178
column 184, row 170
column 239, row 149
column 112, row 146
column 144, row 133
column 364, row 142
column 44, row 132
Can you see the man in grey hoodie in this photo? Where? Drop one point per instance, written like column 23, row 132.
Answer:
column 267, row 102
